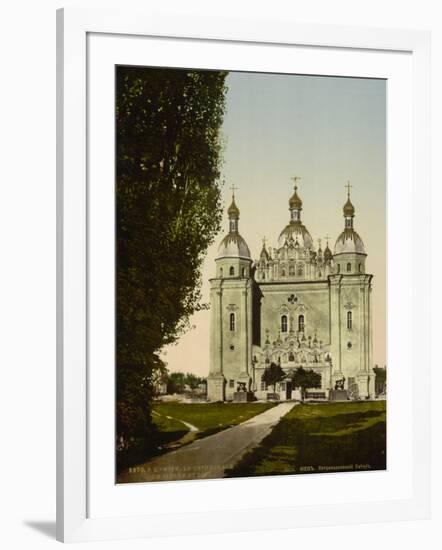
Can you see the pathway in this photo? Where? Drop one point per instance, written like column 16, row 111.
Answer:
column 210, row 457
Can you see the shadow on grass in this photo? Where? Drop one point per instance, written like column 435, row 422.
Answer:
column 309, row 443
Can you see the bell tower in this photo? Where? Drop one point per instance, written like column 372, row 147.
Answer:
column 231, row 297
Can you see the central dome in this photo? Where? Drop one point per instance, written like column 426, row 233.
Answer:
column 298, row 232
column 233, row 246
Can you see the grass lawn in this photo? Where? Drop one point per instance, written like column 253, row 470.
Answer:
column 209, row 418
column 321, row 437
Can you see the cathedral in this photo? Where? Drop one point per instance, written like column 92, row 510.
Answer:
column 296, row 306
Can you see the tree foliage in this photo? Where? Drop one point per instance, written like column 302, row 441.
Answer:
column 178, row 381
column 305, row 379
column 168, row 212
column 272, row 375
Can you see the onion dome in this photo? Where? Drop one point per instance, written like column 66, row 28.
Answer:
column 233, row 245
column 233, row 210
column 295, row 201
column 349, row 242
column 295, row 231
column 349, row 209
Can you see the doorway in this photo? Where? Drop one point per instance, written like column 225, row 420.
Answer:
column 288, row 390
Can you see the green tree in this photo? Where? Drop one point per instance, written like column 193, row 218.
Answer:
column 168, row 212
column 305, row 379
column 193, row 381
column 272, row 375
column 176, row 382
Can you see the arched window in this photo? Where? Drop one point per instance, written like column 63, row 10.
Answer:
column 339, row 268
column 221, row 272
column 284, row 323
column 349, row 266
column 282, row 272
column 263, row 275
column 232, row 270
column 243, row 271
column 291, row 357
column 360, row 268
column 300, row 270
column 232, row 322
column 349, row 320
column 301, row 323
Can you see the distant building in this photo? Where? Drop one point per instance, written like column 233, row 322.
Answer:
column 296, row 305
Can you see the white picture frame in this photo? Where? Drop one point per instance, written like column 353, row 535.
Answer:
column 77, row 520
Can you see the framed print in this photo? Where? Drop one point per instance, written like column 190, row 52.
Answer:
column 242, row 231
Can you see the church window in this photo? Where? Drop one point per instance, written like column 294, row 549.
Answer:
column 263, row 385
column 349, row 266
column 243, row 271
column 291, row 269
column 360, row 268
column 232, row 322
column 291, row 357
column 300, row 270
column 232, row 270
column 263, row 275
column 221, row 272
column 284, row 323
column 282, row 272
column 231, row 383
column 339, row 268
column 349, row 320
column 301, row 323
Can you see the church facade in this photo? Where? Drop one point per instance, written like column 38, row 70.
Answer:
column 296, row 306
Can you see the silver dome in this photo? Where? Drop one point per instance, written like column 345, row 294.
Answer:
column 349, row 242
column 298, row 232
column 233, row 246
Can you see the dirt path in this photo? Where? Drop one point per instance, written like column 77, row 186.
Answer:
column 210, row 457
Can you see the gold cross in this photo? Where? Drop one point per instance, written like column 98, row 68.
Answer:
column 348, row 186
column 327, row 238
column 264, row 242
column 295, row 180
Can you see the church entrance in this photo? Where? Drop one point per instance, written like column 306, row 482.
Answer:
column 288, row 390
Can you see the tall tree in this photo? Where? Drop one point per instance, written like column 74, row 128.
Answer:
column 168, row 212
column 305, row 379
column 272, row 375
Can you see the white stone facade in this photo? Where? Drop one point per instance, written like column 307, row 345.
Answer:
column 294, row 306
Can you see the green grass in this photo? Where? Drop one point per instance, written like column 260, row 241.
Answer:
column 169, row 430
column 209, row 418
column 317, row 438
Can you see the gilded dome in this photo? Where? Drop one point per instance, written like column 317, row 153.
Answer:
column 233, row 246
column 298, row 232
column 295, row 201
column 233, row 210
column 349, row 209
column 349, row 242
